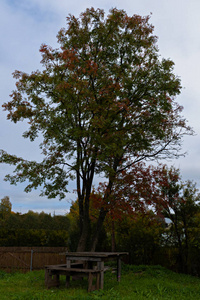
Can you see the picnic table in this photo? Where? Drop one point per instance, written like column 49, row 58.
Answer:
column 84, row 264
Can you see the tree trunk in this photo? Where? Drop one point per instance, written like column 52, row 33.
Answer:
column 113, row 237
column 180, row 249
column 83, row 238
column 99, row 225
column 84, row 225
column 186, row 246
column 103, row 211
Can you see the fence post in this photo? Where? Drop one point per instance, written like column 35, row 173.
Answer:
column 31, row 266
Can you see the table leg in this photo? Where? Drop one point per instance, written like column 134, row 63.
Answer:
column 97, row 281
column 68, row 264
column 51, row 279
column 100, row 266
column 119, row 268
column 89, row 265
column 67, row 281
column 90, row 278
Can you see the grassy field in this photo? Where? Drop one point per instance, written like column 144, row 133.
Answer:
column 137, row 282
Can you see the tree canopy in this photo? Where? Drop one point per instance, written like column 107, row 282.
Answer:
column 103, row 101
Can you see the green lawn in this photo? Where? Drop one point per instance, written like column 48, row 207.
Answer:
column 137, row 282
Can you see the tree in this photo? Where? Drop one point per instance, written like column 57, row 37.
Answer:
column 103, row 102
column 135, row 192
column 141, row 236
column 5, row 207
column 179, row 202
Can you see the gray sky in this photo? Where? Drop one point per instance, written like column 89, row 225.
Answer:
column 26, row 24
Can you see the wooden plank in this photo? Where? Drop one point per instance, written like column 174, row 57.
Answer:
column 107, row 268
column 96, row 254
column 72, row 270
column 83, row 258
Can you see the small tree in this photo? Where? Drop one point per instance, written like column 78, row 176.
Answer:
column 103, row 101
column 179, row 202
column 5, row 207
column 140, row 235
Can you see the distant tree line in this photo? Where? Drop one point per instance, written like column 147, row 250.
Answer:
column 32, row 228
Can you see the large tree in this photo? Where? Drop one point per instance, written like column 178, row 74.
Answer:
column 103, row 101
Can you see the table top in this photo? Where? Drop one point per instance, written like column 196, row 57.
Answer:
column 96, row 254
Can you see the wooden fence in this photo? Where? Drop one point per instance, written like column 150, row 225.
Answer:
column 26, row 259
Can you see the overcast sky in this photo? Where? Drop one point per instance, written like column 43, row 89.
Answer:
column 26, row 24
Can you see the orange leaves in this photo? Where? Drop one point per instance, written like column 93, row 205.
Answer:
column 17, row 74
column 70, row 58
column 47, row 52
column 137, row 190
column 91, row 67
column 44, row 48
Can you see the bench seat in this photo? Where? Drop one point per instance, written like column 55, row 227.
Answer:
column 53, row 272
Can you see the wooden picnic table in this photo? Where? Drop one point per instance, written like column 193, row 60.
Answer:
column 96, row 257
column 88, row 264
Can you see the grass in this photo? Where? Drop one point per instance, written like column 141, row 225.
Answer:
column 137, row 282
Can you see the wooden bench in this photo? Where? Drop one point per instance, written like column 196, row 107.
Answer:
column 53, row 272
